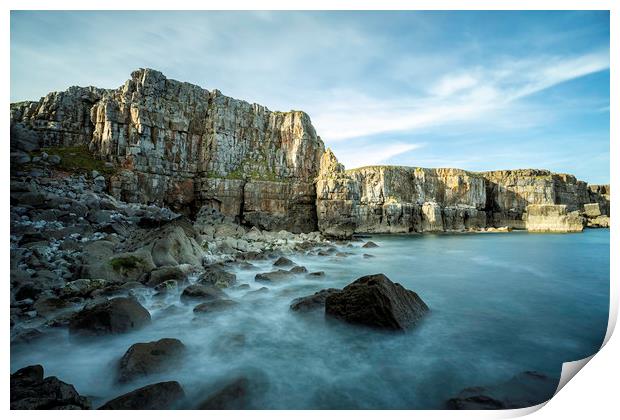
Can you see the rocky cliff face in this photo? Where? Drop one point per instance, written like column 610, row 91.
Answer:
column 394, row 199
column 179, row 145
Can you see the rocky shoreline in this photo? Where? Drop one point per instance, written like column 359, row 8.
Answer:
column 161, row 188
column 80, row 259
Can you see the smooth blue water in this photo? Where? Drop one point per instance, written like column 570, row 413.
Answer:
column 500, row 304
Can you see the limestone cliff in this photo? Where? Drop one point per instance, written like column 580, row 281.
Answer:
column 395, row 199
column 180, row 145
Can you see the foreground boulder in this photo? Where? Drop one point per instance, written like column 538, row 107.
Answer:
column 376, row 301
column 315, row 301
column 523, row 390
column 159, row 396
column 143, row 359
column 31, row 391
column 114, row 316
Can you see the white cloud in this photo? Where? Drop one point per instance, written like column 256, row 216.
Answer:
column 473, row 97
column 452, row 84
column 375, row 154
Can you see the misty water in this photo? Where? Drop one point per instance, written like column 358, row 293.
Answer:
column 500, row 304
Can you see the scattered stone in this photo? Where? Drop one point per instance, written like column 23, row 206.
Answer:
column 176, row 272
column 217, row 277
column 253, row 293
column 83, row 287
column 214, row 306
column 316, row 274
column 201, row 292
column 274, row 276
column 53, row 159
column 283, row 262
column 315, row 301
column 370, row 244
column 234, row 396
column 376, row 301
column 298, row 269
column 31, row 391
column 142, row 359
column 167, row 286
column 114, row 316
column 523, row 390
column 158, row 396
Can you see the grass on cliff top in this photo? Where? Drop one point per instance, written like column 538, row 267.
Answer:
column 78, row 159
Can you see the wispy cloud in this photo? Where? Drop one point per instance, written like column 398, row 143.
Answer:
column 374, row 154
column 466, row 96
column 472, row 87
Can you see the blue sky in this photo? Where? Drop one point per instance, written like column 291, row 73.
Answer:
column 473, row 90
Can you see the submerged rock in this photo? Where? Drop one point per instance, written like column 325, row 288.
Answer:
column 114, row 316
column 370, row 244
column 201, row 292
column 31, row 391
column 315, row 301
column 214, row 306
column 159, row 396
column 316, row 274
column 283, row 262
column 376, row 301
column 234, row 396
column 274, row 276
column 143, row 359
column 523, row 390
column 298, row 269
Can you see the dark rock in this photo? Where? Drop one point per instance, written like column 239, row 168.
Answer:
column 234, row 396
column 143, row 359
column 30, row 391
column 283, row 262
column 315, row 301
column 316, row 274
column 298, row 269
column 28, row 291
column 370, row 244
column 523, row 390
column 252, row 256
column 274, row 276
column 257, row 292
column 214, row 306
column 114, row 316
column 49, row 305
column 368, row 256
column 175, row 272
column 201, row 292
column 376, row 301
column 83, row 287
column 215, row 276
column 159, row 396
column 25, row 335
column 167, row 286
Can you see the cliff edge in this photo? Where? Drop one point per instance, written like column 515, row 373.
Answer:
column 176, row 144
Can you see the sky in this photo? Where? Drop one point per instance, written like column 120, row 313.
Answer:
column 471, row 89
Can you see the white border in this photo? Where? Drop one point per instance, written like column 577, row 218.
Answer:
column 593, row 394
